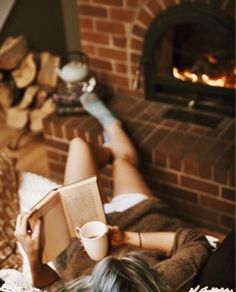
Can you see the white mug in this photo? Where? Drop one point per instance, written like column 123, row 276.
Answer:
column 95, row 239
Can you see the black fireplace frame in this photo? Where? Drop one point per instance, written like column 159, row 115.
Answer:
column 185, row 93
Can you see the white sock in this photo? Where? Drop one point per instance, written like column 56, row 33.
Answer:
column 97, row 108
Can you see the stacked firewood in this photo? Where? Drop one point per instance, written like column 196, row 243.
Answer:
column 27, row 82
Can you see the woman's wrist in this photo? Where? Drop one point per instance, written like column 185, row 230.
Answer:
column 34, row 260
column 132, row 238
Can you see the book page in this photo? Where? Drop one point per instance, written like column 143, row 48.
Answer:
column 82, row 204
column 54, row 234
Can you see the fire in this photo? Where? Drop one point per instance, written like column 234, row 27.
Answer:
column 203, row 78
column 212, row 59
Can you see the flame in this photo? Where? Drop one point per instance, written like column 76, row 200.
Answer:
column 203, row 78
column 212, row 59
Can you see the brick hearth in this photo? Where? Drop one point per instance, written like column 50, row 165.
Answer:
column 189, row 166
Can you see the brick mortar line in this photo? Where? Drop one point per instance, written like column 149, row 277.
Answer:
column 150, row 11
column 59, row 151
column 215, row 183
column 120, row 49
column 64, row 125
column 162, row 4
column 214, row 225
column 138, row 38
column 214, row 197
column 211, row 182
column 115, row 74
column 54, row 138
column 199, row 218
column 179, row 186
column 146, row 138
column 145, row 122
column 192, row 204
column 219, row 212
column 195, row 177
column 58, row 162
column 139, row 23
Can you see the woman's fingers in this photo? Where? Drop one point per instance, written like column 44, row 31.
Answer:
column 113, row 229
column 37, row 229
column 22, row 223
column 18, row 220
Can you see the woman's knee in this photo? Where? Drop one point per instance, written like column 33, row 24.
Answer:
column 130, row 157
column 119, row 161
column 78, row 141
column 78, row 144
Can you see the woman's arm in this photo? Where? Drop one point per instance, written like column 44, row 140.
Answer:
column 161, row 241
column 42, row 274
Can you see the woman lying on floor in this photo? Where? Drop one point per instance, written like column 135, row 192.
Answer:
column 168, row 257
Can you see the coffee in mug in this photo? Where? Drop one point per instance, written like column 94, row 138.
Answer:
column 95, row 239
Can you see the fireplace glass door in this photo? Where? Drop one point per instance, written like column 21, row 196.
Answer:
column 189, row 58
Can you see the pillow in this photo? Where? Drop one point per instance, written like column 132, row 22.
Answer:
column 9, row 208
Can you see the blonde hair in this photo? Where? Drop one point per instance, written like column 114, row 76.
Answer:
column 126, row 274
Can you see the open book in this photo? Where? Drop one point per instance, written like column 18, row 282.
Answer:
column 62, row 210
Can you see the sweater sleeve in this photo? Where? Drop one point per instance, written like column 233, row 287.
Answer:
column 189, row 253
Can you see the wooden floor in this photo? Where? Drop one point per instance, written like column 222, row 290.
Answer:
column 31, row 155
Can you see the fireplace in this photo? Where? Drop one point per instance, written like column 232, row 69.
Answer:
column 187, row 152
column 189, row 58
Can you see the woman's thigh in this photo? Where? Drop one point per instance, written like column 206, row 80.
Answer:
column 127, row 179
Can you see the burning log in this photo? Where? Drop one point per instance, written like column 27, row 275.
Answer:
column 12, row 52
column 26, row 73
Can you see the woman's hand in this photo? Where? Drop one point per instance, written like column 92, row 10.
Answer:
column 29, row 239
column 42, row 274
column 116, row 235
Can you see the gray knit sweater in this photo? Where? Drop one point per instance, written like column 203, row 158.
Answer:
column 179, row 269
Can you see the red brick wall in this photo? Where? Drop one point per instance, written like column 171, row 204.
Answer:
column 112, row 33
column 190, row 167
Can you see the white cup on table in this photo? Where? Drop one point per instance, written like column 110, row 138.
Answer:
column 94, row 238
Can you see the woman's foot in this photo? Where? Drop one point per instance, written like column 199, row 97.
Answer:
column 98, row 109
column 114, row 135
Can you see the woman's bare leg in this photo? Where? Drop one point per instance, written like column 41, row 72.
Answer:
column 120, row 144
column 126, row 177
column 84, row 160
column 81, row 163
